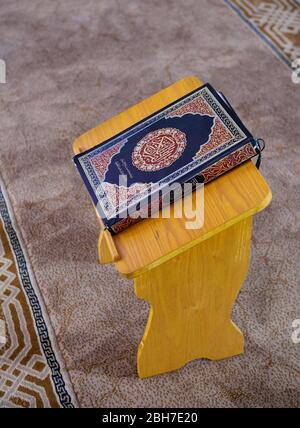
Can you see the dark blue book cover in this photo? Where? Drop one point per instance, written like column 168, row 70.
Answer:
column 177, row 143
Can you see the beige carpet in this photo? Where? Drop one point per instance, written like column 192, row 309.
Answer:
column 72, row 64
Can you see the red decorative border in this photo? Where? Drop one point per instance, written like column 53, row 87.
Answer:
column 197, row 106
column 219, row 135
column 122, row 194
column 229, row 162
column 123, row 224
column 101, row 161
column 152, row 208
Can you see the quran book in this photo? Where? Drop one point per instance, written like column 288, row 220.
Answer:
column 194, row 139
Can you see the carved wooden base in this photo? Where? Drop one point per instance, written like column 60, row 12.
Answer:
column 191, row 298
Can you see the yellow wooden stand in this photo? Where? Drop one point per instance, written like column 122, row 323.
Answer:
column 190, row 277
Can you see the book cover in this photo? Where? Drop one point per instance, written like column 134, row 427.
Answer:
column 199, row 135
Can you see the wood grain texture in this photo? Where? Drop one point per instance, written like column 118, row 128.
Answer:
column 106, row 248
column 191, row 298
column 229, row 199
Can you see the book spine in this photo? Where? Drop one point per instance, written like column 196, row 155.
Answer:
column 123, row 224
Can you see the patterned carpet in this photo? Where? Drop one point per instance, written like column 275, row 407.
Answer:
column 69, row 321
column 2, row 328
column 30, row 372
column 277, row 22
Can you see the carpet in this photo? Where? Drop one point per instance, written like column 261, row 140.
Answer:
column 276, row 22
column 71, row 65
column 31, row 371
column 2, row 328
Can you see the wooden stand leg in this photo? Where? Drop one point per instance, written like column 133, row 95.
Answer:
column 191, row 299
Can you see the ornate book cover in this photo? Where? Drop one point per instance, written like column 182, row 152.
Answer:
column 198, row 137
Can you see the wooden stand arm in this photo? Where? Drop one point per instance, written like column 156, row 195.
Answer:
column 106, row 248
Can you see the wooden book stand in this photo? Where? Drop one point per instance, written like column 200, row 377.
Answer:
column 190, row 277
